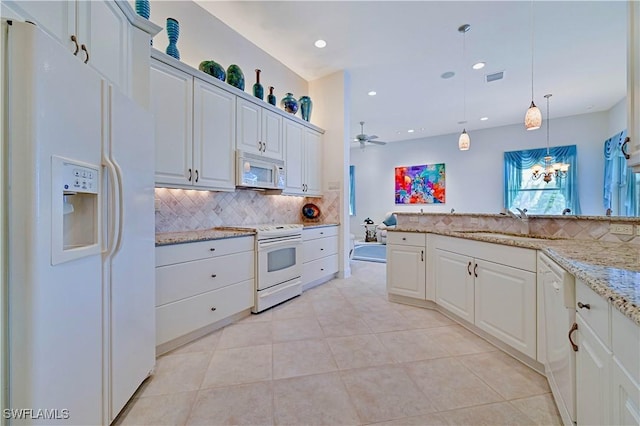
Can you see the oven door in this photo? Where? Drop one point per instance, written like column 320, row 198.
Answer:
column 279, row 261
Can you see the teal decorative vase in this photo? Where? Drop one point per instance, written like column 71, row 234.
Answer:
column 213, row 68
column 271, row 98
column 143, row 9
column 289, row 103
column 258, row 90
column 235, row 77
column 305, row 107
column 173, row 32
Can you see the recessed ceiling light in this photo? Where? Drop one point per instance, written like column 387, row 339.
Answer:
column 398, row 132
column 410, row 131
column 447, row 74
column 484, row 118
column 478, row 65
column 372, row 93
column 320, row 44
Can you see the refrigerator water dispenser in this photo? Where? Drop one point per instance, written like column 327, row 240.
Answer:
column 75, row 209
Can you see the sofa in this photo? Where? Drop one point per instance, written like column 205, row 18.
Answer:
column 390, row 221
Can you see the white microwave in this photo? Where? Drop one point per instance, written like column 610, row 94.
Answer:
column 257, row 171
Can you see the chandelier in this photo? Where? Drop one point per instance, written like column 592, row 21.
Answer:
column 549, row 169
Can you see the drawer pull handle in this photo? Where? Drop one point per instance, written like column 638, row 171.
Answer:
column 422, row 255
column 469, row 268
column 322, row 233
column 574, row 327
column 74, row 39
column 584, row 305
column 322, row 269
column 213, row 275
column 213, row 308
column 475, row 270
column 404, row 238
column 321, row 249
column 212, row 249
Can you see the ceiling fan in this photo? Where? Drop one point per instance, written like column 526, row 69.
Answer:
column 362, row 138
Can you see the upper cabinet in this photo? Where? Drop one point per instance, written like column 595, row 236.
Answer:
column 633, row 86
column 194, row 130
column 99, row 33
column 259, row 130
column 303, row 160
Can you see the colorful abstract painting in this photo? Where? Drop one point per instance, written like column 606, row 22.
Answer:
column 420, row 184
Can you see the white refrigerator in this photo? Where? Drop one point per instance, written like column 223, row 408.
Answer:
column 80, row 224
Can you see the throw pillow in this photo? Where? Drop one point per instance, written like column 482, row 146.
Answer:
column 390, row 220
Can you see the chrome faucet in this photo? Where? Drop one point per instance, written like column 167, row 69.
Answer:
column 453, row 210
column 522, row 218
column 566, row 211
column 608, row 212
column 523, row 213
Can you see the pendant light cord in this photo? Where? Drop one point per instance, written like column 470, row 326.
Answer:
column 464, row 79
column 532, row 22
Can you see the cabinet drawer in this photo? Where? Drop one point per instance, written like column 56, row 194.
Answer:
column 182, row 280
column 320, row 268
column 313, row 233
column 176, row 253
column 597, row 316
column 321, row 247
column 407, row 238
column 179, row 318
column 625, row 341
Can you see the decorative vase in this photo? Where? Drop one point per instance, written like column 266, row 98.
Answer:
column 173, row 32
column 289, row 103
column 306, row 105
column 213, row 68
column 235, row 77
column 258, row 90
column 143, row 9
column 271, row 98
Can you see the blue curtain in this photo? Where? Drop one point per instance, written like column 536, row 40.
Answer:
column 516, row 161
column 352, row 190
column 613, row 161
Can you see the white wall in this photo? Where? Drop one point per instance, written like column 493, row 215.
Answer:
column 205, row 37
column 618, row 117
column 474, row 179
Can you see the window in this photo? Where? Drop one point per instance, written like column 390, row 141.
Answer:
column 352, row 190
column 522, row 191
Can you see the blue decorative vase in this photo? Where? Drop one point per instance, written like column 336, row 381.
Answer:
column 173, row 32
column 305, row 107
column 258, row 90
column 289, row 103
column 143, row 9
column 213, row 68
column 235, row 77
column 271, row 98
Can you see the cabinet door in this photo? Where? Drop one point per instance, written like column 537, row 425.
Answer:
column 57, row 18
column 454, row 283
column 171, row 104
column 248, row 130
column 272, row 134
column 625, row 397
column 593, row 370
column 294, row 151
column 505, row 304
column 406, row 271
column 104, row 29
column 313, row 162
column 214, row 132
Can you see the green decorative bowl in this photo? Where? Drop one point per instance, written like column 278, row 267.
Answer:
column 214, row 69
column 235, row 77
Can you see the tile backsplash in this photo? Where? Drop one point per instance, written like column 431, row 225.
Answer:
column 189, row 209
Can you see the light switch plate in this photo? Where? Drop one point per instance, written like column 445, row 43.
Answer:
column 621, row 228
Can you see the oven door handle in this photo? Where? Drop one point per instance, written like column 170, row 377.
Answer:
column 290, row 242
column 279, row 289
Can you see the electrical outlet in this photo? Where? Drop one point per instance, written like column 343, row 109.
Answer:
column 621, row 228
column 414, row 219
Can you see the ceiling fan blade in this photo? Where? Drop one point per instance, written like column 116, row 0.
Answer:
column 378, row 142
column 372, row 137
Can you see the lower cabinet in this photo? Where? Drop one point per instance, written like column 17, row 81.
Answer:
column 201, row 283
column 320, row 255
column 489, row 285
column 625, row 374
column 406, row 264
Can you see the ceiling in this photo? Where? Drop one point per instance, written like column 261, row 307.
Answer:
column 400, row 50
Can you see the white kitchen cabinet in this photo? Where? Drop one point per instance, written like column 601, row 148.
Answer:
column 194, row 130
column 593, row 377
column 303, row 159
column 454, row 283
column 320, row 255
column 625, row 379
column 633, row 85
column 100, row 29
column 259, row 130
column 489, row 285
column 406, row 264
column 199, row 284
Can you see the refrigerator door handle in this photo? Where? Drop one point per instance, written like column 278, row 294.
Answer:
column 115, row 208
column 119, row 208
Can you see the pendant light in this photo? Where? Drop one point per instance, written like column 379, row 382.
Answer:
column 533, row 117
column 463, row 141
column 549, row 169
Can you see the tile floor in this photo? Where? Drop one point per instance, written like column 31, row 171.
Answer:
column 341, row 354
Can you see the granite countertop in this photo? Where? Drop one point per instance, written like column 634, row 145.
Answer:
column 167, row 238
column 611, row 269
